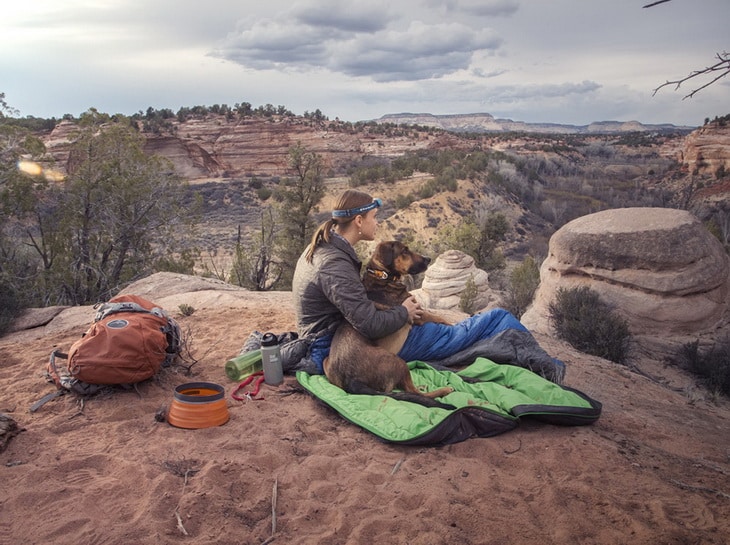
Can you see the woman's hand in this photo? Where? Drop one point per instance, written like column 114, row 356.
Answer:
column 414, row 309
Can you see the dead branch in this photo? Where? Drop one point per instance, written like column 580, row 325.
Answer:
column 180, row 523
column 274, row 494
column 181, row 468
column 186, row 350
column 189, row 471
column 722, row 66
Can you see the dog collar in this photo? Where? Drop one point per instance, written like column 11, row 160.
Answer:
column 355, row 211
column 380, row 275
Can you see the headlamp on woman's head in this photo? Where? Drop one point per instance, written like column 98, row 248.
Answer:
column 350, row 212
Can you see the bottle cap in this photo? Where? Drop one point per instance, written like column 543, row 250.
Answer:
column 269, row 339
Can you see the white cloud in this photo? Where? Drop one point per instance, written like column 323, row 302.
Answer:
column 341, row 15
column 269, row 44
column 481, row 8
column 420, row 51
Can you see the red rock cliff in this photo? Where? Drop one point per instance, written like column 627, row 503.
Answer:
column 241, row 147
column 707, row 149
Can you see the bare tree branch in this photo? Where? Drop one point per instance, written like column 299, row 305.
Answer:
column 655, row 3
column 722, row 66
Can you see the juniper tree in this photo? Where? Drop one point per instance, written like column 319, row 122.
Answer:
column 298, row 199
column 108, row 221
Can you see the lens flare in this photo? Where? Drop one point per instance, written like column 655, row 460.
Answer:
column 53, row 175
column 31, row 168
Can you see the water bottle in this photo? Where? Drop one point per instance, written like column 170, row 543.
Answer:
column 271, row 358
column 243, row 365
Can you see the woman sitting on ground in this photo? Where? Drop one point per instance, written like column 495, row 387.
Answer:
column 327, row 289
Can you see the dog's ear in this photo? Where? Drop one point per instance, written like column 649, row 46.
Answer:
column 386, row 253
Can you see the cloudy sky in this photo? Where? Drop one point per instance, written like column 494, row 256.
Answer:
column 559, row 61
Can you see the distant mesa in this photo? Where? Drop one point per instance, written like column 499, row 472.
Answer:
column 485, row 123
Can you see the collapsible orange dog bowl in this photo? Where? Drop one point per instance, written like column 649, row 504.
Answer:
column 198, row 405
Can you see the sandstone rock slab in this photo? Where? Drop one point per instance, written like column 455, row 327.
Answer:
column 659, row 268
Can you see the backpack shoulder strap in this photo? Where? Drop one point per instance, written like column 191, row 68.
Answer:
column 105, row 309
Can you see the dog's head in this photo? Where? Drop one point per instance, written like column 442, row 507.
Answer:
column 397, row 259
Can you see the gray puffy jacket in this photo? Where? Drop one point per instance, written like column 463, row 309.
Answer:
column 330, row 289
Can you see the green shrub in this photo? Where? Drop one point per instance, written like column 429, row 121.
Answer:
column 582, row 319
column 523, row 282
column 263, row 193
column 478, row 238
column 183, row 263
column 403, row 201
column 711, row 365
column 186, row 310
column 468, row 297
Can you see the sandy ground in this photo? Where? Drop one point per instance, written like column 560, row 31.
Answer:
column 655, row 469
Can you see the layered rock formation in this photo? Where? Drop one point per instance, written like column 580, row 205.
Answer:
column 447, row 278
column 660, row 269
column 707, row 149
column 216, row 146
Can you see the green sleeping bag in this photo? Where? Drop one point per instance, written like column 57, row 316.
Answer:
column 491, row 402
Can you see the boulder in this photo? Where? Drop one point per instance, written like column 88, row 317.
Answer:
column 659, row 268
column 446, row 279
column 35, row 317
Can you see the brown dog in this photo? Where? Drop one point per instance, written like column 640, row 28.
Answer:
column 383, row 277
column 360, row 366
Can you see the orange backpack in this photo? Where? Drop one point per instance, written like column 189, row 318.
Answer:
column 130, row 339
